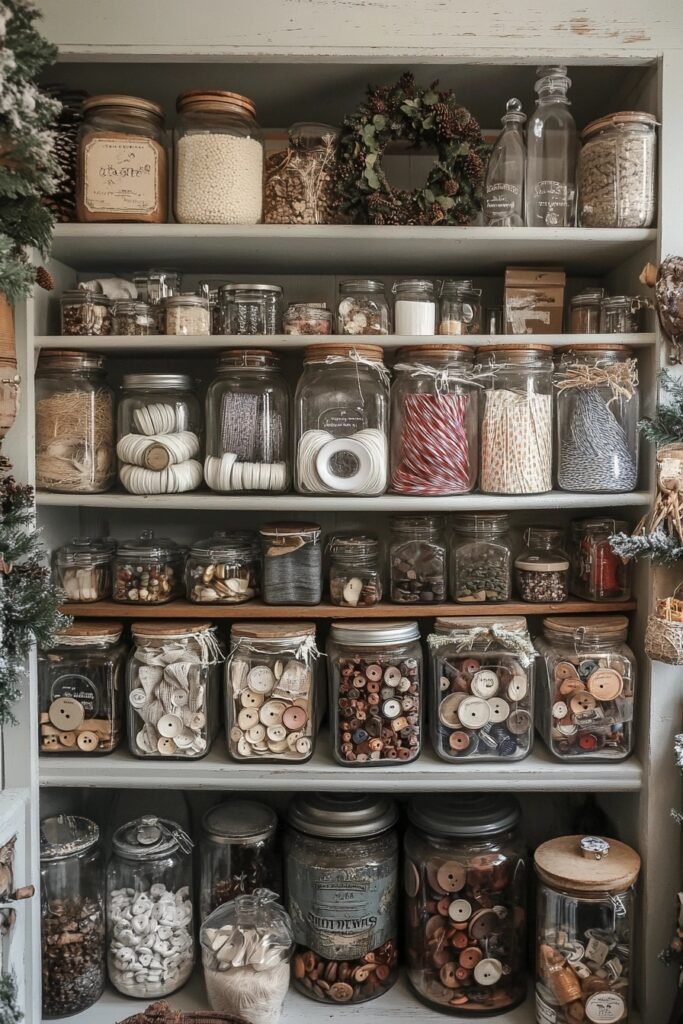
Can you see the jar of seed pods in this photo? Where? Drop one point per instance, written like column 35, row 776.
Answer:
column 363, row 308
column 418, row 562
column 85, row 313
column 481, row 558
column 82, row 568
column 597, row 572
column 300, row 181
column 148, row 570
column 292, row 563
column 355, row 573
column 224, row 569
column 542, row 568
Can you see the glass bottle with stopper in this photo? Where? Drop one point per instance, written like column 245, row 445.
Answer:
column 551, row 153
column 504, row 191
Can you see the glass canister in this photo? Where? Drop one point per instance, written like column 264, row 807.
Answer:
column 584, row 311
column 306, row 318
column 622, row 314
column 80, row 689
column 148, row 570
column 542, row 568
column 72, row 915
column 153, row 286
column 597, row 409
column 597, row 572
column 122, row 169
column 238, row 853
column 224, row 568
column 465, row 911
column 616, row 171
column 434, row 421
column 85, row 314
column 363, row 308
column 133, row 319
column 376, row 679
column 516, row 420
column 585, row 926
column 75, row 442
column 414, row 307
column 247, row 412
column 272, row 710
column 187, row 314
column 481, row 558
column 342, row 421
column 341, row 864
column 250, row 309
column 149, row 894
column 418, row 561
column 482, row 686
column 300, row 181
column 460, row 310
column 218, row 159
column 292, row 563
column 82, row 568
column 587, row 687
column 355, row 572
column 172, row 685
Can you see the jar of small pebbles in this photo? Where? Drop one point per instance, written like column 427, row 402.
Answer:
column 187, row 314
column 148, row 570
column 616, row 171
column 82, row 568
column 224, row 569
column 218, row 158
column 363, row 308
column 542, row 568
column 481, row 558
column 418, row 560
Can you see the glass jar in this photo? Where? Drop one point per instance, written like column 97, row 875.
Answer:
column 434, row 421
column 224, row 569
column 153, row 287
column 300, row 181
column 464, row 880
column 85, row 314
column 622, row 314
column 238, row 853
column 481, row 558
column 75, row 442
column 542, row 568
column 72, row 915
column 133, row 319
column 80, row 689
column 292, row 563
column 587, row 687
column 148, row 570
column 250, row 309
column 414, row 307
column 355, row 571
column 418, row 564
column 363, row 308
column 342, row 421
column 584, row 311
column 149, row 885
column 375, row 678
column 517, row 420
column 82, row 568
column 271, row 707
column 585, row 928
column 303, row 318
column 552, row 145
column 187, row 314
column 482, row 686
column 218, row 159
column 173, row 683
column 247, row 410
column 616, row 171
column 460, row 309
column 597, row 572
column 341, row 863
column 122, row 170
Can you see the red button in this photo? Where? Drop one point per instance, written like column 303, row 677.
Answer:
column 588, row 741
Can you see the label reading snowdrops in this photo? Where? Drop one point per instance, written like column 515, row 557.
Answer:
column 121, row 175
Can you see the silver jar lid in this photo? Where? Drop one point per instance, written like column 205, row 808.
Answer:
column 361, row 284
column 362, row 634
column 86, row 551
column 185, row 299
column 239, row 821
column 150, row 838
column 157, row 382
column 66, row 835
column 331, row 816
column 241, row 544
column 149, row 546
column 466, row 816
column 228, row 289
column 82, row 295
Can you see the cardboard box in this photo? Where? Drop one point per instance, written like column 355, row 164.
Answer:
column 534, row 300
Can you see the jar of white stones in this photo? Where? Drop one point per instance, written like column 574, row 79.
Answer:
column 218, row 159
column 150, row 934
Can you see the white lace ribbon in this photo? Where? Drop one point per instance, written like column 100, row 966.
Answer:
column 461, row 639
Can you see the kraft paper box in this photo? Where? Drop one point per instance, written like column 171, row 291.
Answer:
column 534, row 300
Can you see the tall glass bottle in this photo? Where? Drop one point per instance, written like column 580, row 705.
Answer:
column 551, row 154
column 504, row 191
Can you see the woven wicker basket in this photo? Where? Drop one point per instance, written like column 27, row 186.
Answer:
column 161, row 1013
column 664, row 634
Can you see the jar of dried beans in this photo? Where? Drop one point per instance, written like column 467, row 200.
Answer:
column 224, row 569
column 481, row 558
column 542, row 568
column 355, row 572
column 148, row 570
column 83, row 568
column 617, row 171
column 85, row 314
column 300, row 182
column 363, row 308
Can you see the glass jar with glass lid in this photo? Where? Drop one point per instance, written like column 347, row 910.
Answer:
column 622, row 314
column 617, row 171
column 149, row 885
column 224, row 569
column 250, row 309
column 363, row 308
column 481, row 558
column 218, row 159
column 85, row 313
column 464, row 879
column 82, row 568
column 460, row 309
column 71, row 915
column 153, row 286
column 414, row 307
column 247, row 412
column 355, row 570
column 148, row 570
column 302, row 318
column 418, row 560
column 300, row 180
column 584, row 311
column 133, row 319
column 341, row 864
column 542, row 567
column 187, row 314
column 75, row 428
column 597, row 572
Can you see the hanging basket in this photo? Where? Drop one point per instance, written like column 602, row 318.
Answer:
column 162, row 1013
column 9, row 379
column 664, row 634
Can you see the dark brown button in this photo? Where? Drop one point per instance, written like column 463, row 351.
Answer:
column 448, row 975
column 483, row 924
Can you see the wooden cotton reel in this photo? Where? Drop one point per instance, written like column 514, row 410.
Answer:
column 157, row 452
column 159, row 418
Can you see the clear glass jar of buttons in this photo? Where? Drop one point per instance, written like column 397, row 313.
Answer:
column 481, row 558
column 82, row 568
column 224, row 569
column 586, row 689
column 355, row 570
column 376, row 684
column 149, row 897
column 585, row 929
column 85, row 314
column 464, row 883
column 341, row 865
column 482, row 688
column 73, row 945
column 418, row 560
column 363, row 308
column 542, row 567
column 292, row 563
column 187, row 314
column 460, row 309
column 300, row 180
column 597, row 572
column 302, row 318
column 173, row 684
column 250, row 309
column 616, row 171
column 271, row 704
column 148, row 570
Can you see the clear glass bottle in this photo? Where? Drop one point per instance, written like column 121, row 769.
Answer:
column 481, row 558
column 82, row 568
column 149, row 892
column 148, row 570
column 133, row 319
column 292, row 563
column 414, row 307
column 584, row 311
column 355, row 572
column 363, row 308
column 300, row 180
column 551, row 154
column 597, row 572
column 622, row 314
column 504, row 188
column 153, row 287
column 224, row 568
column 617, row 165
column 465, row 903
column 85, row 314
column 418, row 560
column 542, row 568
column 460, row 309
column 72, row 915
column 188, row 315
column 250, row 309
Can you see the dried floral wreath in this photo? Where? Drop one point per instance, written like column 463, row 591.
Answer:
column 422, row 117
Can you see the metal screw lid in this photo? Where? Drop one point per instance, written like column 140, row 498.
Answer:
column 66, row 835
column 149, row 838
column 464, row 815
column 239, row 821
column 331, row 816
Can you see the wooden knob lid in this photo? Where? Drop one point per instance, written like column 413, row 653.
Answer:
column 587, row 864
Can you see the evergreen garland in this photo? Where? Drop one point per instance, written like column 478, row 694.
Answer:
column 662, row 547
column 666, row 427
column 9, row 1007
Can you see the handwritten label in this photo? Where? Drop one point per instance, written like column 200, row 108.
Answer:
column 121, row 176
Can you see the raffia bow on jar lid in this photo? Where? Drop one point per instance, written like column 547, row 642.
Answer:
column 161, row 1013
column 664, row 634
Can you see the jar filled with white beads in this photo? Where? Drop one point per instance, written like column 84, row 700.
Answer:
column 150, row 933
column 342, row 414
column 218, row 159
column 187, row 314
column 414, row 307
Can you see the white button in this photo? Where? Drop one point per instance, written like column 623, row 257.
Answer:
column 517, row 689
column 560, row 709
column 261, row 679
column 138, row 698
column 249, row 699
column 473, row 713
column 247, row 718
column 488, row 971
column 460, row 910
column 484, row 683
column 391, row 708
column 169, row 726
column 303, row 745
column 272, row 711
column 276, row 733
column 499, row 709
column 257, row 733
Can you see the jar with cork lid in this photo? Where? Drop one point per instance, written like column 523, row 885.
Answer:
column 616, row 171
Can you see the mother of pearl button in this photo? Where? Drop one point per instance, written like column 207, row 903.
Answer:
column 170, row 726
column 261, row 679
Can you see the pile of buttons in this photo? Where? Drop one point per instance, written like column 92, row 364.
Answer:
column 378, row 710
column 271, row 710
column 168, row 704
column 589, row 706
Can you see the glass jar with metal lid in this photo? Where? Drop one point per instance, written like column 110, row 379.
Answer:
column 307, row 318
column 187, row 314
column 585, row 921
column 375, row 679
column 82, row 568
column 133, row 319
column 85, row 313
column 218, row 159
column 460, row 310
column 414, row 307
column 617, row 171
column 122, row 169
column 292, row 563
column 247, row 412
column 355, row 573
column 586, row 692
column 597, row 572
column 363, row 308
column 542, row 568
column 72, row 915
column 418, row 560
column 300, row 181
column 622, row 314
column 341, row 864
column 238, row 853
column 584, row 311
column 465, row 888
column 481, row 558
column 75, row 429
column 153, row 286
column 250, row 309
column 148, row 570
column 224, row 568
column 149, row 894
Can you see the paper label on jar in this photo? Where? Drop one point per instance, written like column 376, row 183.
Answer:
column 121, row 176
column 544, row 1013
column 78, row 688
column 605, row 1008
column 342, row 421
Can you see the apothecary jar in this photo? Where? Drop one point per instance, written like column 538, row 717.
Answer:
column 149, row 882
column 73, row 947
column 418, row 560
column 341, row 863
column 481, row 558
column 464, row 883
column 82, row 568
column 300, row 181
column 224, row 568
column 250, row 309
column 355, row 570
column 148, row 570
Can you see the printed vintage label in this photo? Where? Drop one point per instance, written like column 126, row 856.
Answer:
column 605, row 1007
column 121, row 176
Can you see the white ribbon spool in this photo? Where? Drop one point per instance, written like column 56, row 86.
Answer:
column 368, row 448
column 184, row 476
column 157, row 451
column 160, row 418
column 224, row 473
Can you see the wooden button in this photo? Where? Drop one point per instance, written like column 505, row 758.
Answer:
column 249, row 699
column 294, row 718
column 261, row 679
column 276, row 734
column 451, row 876
column 341, row 992
column 517, row 688
column 470, row 957
column 374, row 673
column 519, row 723
column 499, row 709
column 485, row 683
column 169, row 726
column 583, row 701
column 66, row 713
column 460, row 910
column 469, row 666
column 448, row 710
column 67, row 739
column 87, row 741
column 392, row 676
column 448, row 975
column 459, row 741
column 272, row 711
column 473, row 712
column 565, row 670
column 166, row 746
column 605, row 684
column 571, row 686
column 243, row 747
column 247, row 718
column 257, row 733
column 488, row 971
column 483, row 924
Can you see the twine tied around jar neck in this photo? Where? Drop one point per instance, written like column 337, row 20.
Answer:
column 442, row 376
column 354, row 357
column 306, row 651
column 209, row 648
column 621, row 378
column 461, row 639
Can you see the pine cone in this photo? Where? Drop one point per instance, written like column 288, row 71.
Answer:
column 45, row 279
column 444, row 120
column 474, row 167
column 377, row 105
column 437, row 213
column 451, row 187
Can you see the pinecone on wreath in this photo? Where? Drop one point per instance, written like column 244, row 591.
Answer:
column 451, row 187
column 474, row 166
column 445, row 120
column 377, row 105
column 45, row 279
column 437, row 213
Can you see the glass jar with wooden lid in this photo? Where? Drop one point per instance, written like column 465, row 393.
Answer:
column 616, row 171
column 122, row 168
